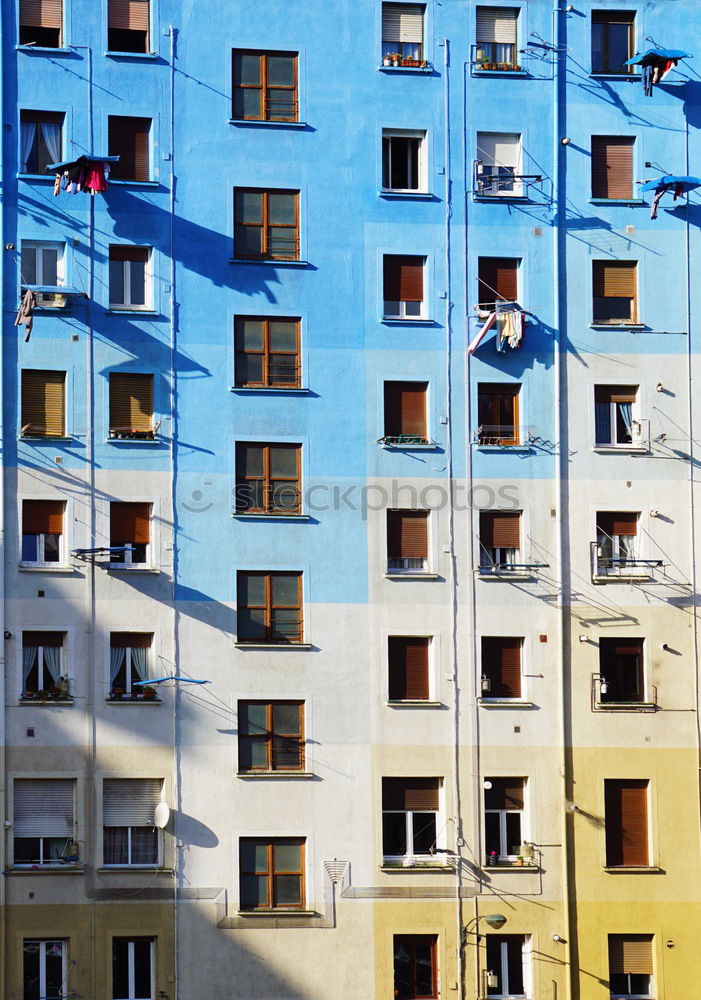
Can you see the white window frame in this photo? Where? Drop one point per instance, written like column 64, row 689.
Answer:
column 637, row 996
column 47, row 301
column 637, row 552
column 41, row 552
column 410, row 857
column 149, row 865
column 422, row 178
column 636, row 435
column 43, row 942
column 129, row 562
column 45, row 863
column 494, row 189
column 132, row 971
column 147, row 305
column 402, row 304
column 40, row 666
column 504, row 970
column 127, row 666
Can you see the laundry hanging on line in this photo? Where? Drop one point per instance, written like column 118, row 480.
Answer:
column 86, row 173
column 655, row 65
column 510, row 329
column 669, row 182
column 25, row 314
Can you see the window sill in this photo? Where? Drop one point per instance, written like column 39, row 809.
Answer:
column 48, row 568
column 273, row 645
column 139, row 442
column 504, row 576
column 500, row 197
column 519, row 448
column 51, row 702
column 407, row 446
column 413, row 195
column 277, row 913
column 133, row 869
column 130, row 311
column 267, row 775
column 118, row 568
column 505, row 703
column 48, row 438
column 270, row 517
column 626, row 449
column 48, row 178
column 626, row 706
column 406, row 69
column 132, row 182
column 116, row 54
column 133, row 701
column 46, row 870
column 407, row 321
column 500, row 72
column 409, row 575
column 269, row 261
column 530, row 866
column 610, row 75
column 413, row 703
column 415, row 866
column 255, row 122
column 59, row 50
column 633, row 870
column 623, row 578
column 301, row 390
column 616, row 326
column 627, row 202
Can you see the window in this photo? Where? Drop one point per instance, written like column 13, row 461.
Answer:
column 496, row 37
column 44, row 969
column 41, row 662
column 403, row 30
column 497, row 281
column 503, row 818
column 615, row 283
column 40, row 23
column 403, row 286
column 271, row 736
column 42, row 264
column 267, row 353
column 409, row 668
column 405, row 412
column 506, row 960
column 403, row 160
column 497, row 414
column 265, row 86
column 130, row 534
column 615, row 407
column 630, row 966
column 407, row 541
column 130, row 277
column 44, row 818
column 128, row 25
column 415, row 966
column 501, row 667
column 269, row 607
column 40, row 140
column 612, row 166
column 128, row 138
column 131, row 405
column 42, row 532
column 409, row 816
column 268, row 478
column 266, row 224
column 272, row 873
column 617, row 543
column 499, row 540
column 43, row 403
column 626, row 823
column 499, row 164
column 133, row 968
column 129, row 835
column 621, row 671
column 129, row 662
column 612, row 40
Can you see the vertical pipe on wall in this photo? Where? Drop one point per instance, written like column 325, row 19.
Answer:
column 4, row 10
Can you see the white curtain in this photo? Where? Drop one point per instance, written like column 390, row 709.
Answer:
column 117, row 657
column 28, row 131
column 51, row 132
column 52, row 662
column 29, row 659
column 138, row 662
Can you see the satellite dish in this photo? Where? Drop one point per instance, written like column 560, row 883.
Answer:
column 161, row 815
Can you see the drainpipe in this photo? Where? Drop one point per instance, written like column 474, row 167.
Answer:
column 4, row 10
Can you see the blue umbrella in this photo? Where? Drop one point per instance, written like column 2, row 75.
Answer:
column 672, row 180
column 662, row 54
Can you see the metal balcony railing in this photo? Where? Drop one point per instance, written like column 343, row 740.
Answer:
column 628, row 566
column 503, row 435
column 492, row 181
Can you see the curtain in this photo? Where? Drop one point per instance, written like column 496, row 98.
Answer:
column 116, row 845
column 626, row 411
column 28, row 131
column 52, row 662
column 117, row 658
column 51, row 131
column 138, row 662
column 602, row 420
column 29, row 659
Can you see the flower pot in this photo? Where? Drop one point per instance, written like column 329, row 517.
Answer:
column 386, row 61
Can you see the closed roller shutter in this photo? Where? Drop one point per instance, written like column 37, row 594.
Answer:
column 410, row 793
column 128, row 139
column 403, row 279
column 616, row 393
column 402, row 22
column 405, row 408
column 407, row 534
column 500, row 530
column 614, row 279
column 129, row 522
column 54, row 639
column 44, row 807
column 617, row 523
column 501, row 662
column 130, row 15
column 131, row 402
column 505, row 793
column 130, row 801
column 43, row 394
column 612, row 166
column 42, row 517
column 498, row 279
column 630, row 954
column 626, row 823
column 408, row 668
column 496, row 24
column 131, row 640
column 40, row 13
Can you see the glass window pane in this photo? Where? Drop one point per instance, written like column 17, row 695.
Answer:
column 253, row 719
column 31, row 970
column 251, row 624
column 254, row 891
column 251, row 589
column 283, row 336
column 424, row 832
column 49, row 266
column 424, row 968
column 116, row 281
column 247, row 68
column 120, row 968
column 281, row 71
column 597, row 47
column 28, row 266
column 282, row 369
column 285, row 624
column 286, row 753
column 249, row 369
column 116, row 845
column 515, row 962
column 283, row 462
column 248, row 103
column 30, row 548
column 618, row 47
column 282, row 241
column 286, row 719
column 287, row 857
column 253, row 754
column 281, row 105
column 285, row 589
column 394, row 833
column 249, row 206
column 137, row 271
column 251, row 458
column 288, row 890
column 281, row 208
column 144, row 845
column 513, row 832
column 142, row 967
column 403, row 981
column 284, row 496
column 254, row 856
column 250, row 335
column 51, row 548
column 249, row 241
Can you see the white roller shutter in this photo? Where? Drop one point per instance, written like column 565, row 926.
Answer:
column 496, row 24
column 402, row 22
column 130, row 801
column 44, row 807
column 499, row 149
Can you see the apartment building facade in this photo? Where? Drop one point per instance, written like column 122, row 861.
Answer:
column 349, row 494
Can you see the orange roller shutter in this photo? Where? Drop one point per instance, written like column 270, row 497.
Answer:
column 614, row 279
column 618, row 523
column 130, row 15
column 410, row 793
column 43, row 517
column 500, row 530
column 626, row 823
column 403, row 279
column 43, row 402
column 129, row 522
column 132, row 640
column 630, row 954
column 131, row 402
column 40, row 13
column 612, row 166
column 408, row 668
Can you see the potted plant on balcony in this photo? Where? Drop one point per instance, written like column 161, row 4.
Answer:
column 396, row 58
column 149, row 693
column 116, row 694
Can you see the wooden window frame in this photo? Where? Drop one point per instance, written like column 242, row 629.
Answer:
column 393, row 406
column 268, row 381
column 269, row 639
column 265, row 87
column 270, row 843
column 603, row 17
column 494, row 432
column 410, row 942
column 269, row 737
column 267, row 227
column 244, row 490
column 29, row 430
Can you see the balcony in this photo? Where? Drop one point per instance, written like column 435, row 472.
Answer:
column 503, row 436
column 607, row 695
column 492, row 181
column 609, row 564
